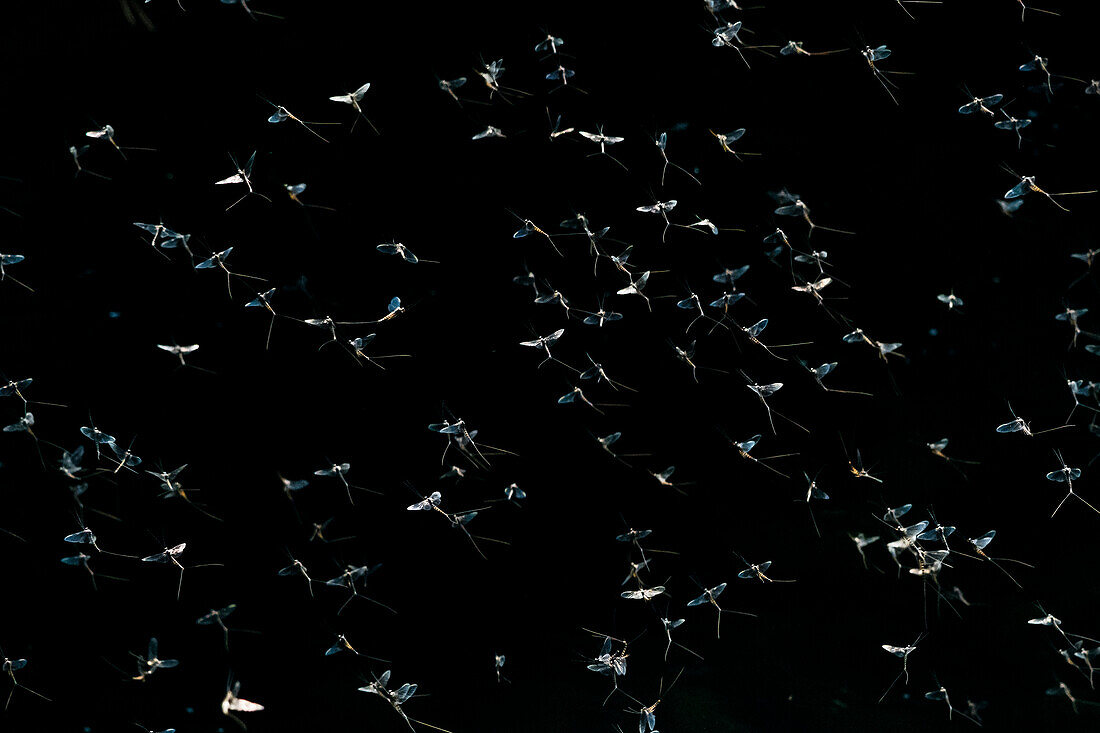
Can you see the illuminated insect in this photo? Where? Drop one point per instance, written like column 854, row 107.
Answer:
column 168, row 556
column 354, row 98
column 231, row 703
column 243, row 175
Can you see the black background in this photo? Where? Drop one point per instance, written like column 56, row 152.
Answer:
column 917, row 181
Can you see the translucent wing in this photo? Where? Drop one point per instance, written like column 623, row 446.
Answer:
column 1011, row 427
column 985, row 539
column 749, row 444
column 757, row 328
column 83, row 537
column 730, row 275
column 404, row 692
column 915, row 529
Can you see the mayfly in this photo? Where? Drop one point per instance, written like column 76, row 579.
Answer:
column 813, row 491
column 856, row 469
column 231, row 703
column 980, row 543
column 294, row 192
column 937, row 449
column 282, row 114
column 151, row 662
column 529, row 227
column 9, row 260
column 669, row 625
column 753, row 334
column 217, row 260
column 603, row 140
column 661, row 142
column 297, row 568
column 10, row 667
column 745, row 447
column 108, row 133
column 663, row 208
column 243, row 175
column 862, row 541
column 820, row 372
column 724, row 140
column 871, row 55
column 611, row 662
column 397, row 698
column 1011, row 123
column 1073, row 316
column 1066, row 475
column 1018, row 425
column 792, row 205
column 710, row 596
column 794, row 48
column 168, row 557
column 349, row 578
column 76, row 153
column 263, row 300
column 544, row 343
column 217, row 616
column 576, row 394
column 1027, row 183
column 449, row 86
column 727, row 36
column 636, row 287
column 757, row 571
column 903, row 652
column 763, row 391
column 179, row 351
column 982, row 104
column 354, row 98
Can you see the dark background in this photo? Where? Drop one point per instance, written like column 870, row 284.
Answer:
column 918, row 182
